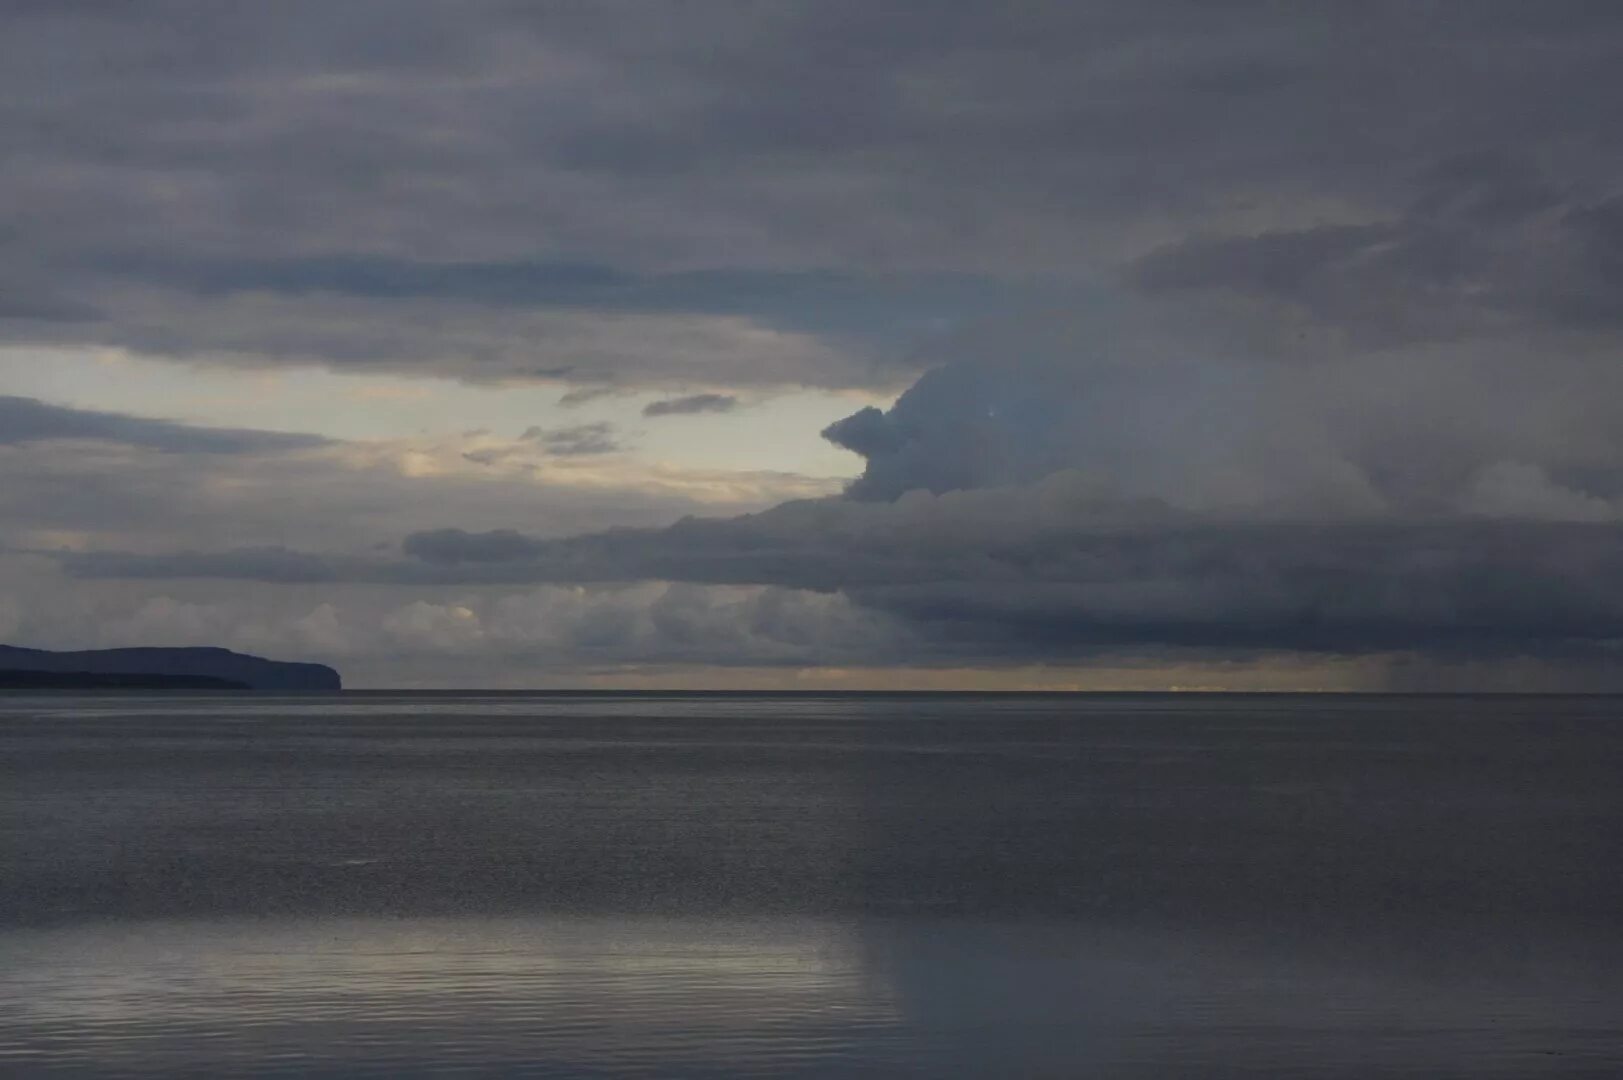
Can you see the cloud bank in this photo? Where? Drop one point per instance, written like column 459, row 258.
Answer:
column 790, row 194
column 25, row 421
column 1236, row 331
column 1137, row 481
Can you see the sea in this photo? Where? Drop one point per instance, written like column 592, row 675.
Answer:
column 810, row 885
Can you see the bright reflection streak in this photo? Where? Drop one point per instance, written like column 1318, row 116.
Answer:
column 615, row 992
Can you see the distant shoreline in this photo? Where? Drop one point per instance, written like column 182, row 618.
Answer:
column 156, row 668
column 92, row 680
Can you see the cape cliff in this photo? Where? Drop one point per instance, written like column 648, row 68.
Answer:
column 174, row 668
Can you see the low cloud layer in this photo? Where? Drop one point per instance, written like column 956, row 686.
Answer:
column 25, row 421
column 1139, row 481
column 85, row 481
column 1057, row 594
column 549, row 634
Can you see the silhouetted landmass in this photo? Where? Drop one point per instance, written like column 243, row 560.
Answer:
column 89, row 680
column 221, row 665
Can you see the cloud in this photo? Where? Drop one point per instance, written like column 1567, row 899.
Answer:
column 1125, row 478
column 336, row 497
column 1024, row 571
column 477, row 345
column 1513, row 489
column 1220, row 329
column 1203, row 409
column 692, row 404
column 656, row 623
column 821, row 301
column 1049, row 593
column 27, row 420
column 583, row 395
column 543, row 634
column 268, row 564
column 801, row 191
column 451, row 547
column 581, row 439
column 1487, row 246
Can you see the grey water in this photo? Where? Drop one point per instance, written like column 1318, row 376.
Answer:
column 810, row 885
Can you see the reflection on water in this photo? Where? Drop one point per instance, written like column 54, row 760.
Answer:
column 564, row 997
column 953, row 887
column 575, row 996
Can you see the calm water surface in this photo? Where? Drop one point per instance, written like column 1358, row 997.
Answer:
column 728, row 886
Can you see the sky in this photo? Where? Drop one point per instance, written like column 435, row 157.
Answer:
column 821, row 344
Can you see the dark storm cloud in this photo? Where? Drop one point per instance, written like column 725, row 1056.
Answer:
column 26, row 304
column 1243, row 326
column 270, row 564
column 1455, row 588
column 866, row 432
column 451, row 547
column 269, row 183
column 27, row 420
column 1137, row 478
column 1487, row 245
column 858, row 304
column 691, row 405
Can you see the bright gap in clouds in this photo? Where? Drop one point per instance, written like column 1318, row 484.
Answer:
column 765, row 431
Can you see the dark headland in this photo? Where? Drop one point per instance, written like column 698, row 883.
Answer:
column 157, row 669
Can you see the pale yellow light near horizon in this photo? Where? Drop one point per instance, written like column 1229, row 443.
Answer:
column 776, row 430
column 1274, row 674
